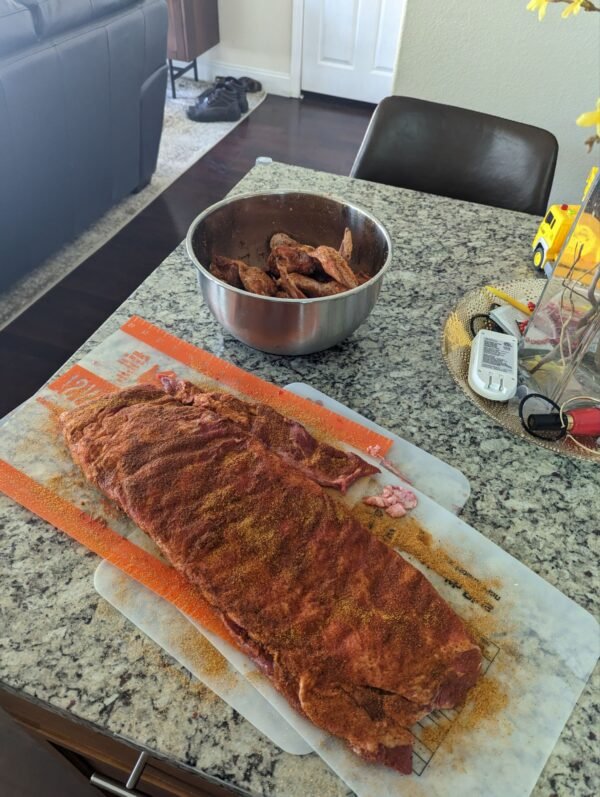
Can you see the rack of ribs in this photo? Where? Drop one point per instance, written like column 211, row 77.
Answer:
column 232, row 493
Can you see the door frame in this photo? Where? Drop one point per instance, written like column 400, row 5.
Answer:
column 296, row 48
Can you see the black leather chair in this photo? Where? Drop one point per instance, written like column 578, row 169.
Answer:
column 454, row 152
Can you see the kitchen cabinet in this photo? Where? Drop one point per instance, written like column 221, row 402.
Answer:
column 193, row 29
column 89, row 751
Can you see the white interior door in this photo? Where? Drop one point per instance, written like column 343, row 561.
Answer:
column 349, row 47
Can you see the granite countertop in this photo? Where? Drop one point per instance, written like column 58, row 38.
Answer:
column 63, row 645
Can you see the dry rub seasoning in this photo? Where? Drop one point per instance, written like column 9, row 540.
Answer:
column 488, row 698
column 409, row 536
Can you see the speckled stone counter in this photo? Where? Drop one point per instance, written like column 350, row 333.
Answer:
column 63, row 645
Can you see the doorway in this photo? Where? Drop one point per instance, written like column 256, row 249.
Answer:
column 346, row 48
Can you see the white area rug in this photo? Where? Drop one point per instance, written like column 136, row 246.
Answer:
column 183, row 143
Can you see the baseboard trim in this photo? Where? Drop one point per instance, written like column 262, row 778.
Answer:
column 273, row 82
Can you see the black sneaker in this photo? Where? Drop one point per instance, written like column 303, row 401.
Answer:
column 218, row 106
column 232, row 87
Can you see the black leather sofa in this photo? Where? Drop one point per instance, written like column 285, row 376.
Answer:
column 82, row 93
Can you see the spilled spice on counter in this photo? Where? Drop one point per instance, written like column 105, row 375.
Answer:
column 205, row 656
column 408, row 535
column 55, row 411
column 485, row 701
column 433, row 735
column 482, row 712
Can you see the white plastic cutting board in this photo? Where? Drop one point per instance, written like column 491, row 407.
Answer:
column 170, row 629
column 443, row 483
column 541, row 652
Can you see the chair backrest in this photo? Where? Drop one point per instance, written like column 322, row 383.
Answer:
column 454, row 152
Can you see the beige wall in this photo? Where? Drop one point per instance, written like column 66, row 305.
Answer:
column 256, row 33
column 256, row 40
column 494, row 56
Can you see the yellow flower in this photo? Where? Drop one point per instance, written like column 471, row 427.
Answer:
column 572, row 8
column 540, row 6
column 590, row 119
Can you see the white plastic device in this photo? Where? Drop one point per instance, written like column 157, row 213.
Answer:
column 506, row 317
column 493, row 365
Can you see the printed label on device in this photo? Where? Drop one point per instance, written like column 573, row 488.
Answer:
column 493, row 365
column 497, row 354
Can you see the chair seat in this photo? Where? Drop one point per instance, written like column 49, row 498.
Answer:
column 455, row 152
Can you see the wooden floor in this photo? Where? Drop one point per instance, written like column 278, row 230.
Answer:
column 317, row 132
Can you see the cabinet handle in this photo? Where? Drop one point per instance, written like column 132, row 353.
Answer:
column 136, row 772
column 117, row 789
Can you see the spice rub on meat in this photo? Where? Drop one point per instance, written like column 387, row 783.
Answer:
column 325, row 464
column 293, row 270
column 353, row 635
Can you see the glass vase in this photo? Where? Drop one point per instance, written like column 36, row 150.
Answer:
column 559, row 354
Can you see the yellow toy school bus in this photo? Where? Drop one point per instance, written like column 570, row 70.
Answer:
column 554, row 229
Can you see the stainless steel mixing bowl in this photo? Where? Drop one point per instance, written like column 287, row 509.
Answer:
column 241, row 227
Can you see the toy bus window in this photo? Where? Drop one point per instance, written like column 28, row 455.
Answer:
column 550, row 219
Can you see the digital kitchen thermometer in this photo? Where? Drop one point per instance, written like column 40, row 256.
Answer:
column 493, row 365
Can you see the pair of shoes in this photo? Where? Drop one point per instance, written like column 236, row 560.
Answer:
column 231, row 87
column 224, row 102
column 247, row 83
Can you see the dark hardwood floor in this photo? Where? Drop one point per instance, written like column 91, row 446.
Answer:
column 318, row 132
